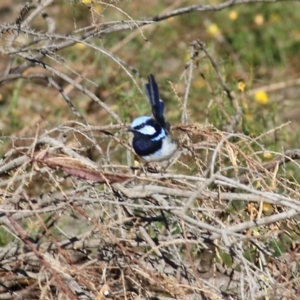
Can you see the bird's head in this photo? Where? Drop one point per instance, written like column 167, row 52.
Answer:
column 147, row 127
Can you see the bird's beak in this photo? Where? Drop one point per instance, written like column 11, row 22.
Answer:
column 129, row 129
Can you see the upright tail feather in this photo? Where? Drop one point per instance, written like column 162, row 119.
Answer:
column 156, row 103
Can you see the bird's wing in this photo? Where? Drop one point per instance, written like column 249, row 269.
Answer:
column 156, row 103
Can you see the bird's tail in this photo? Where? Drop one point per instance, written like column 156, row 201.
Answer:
column 156, row 103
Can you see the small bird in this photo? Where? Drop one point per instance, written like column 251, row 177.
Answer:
column 152, row 140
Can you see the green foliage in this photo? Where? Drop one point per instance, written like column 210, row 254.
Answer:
column 5, row 237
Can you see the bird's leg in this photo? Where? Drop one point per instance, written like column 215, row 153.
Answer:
column 151, row 168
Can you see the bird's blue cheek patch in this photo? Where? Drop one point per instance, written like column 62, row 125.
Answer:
column 160, row 136
column 147, row 130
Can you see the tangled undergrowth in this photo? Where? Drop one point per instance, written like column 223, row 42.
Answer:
column 215, row 229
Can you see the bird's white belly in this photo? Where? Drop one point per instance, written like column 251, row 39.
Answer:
column 168, row 148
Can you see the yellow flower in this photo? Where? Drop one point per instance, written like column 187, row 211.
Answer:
column 241, row 86
column 268, row 155
column 261, row 97
column 267, row 208
column 80, row 46
column 259, row 19
column 233, row 15
column 213, row 29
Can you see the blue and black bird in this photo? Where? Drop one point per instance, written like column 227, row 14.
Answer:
column 152, row 140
